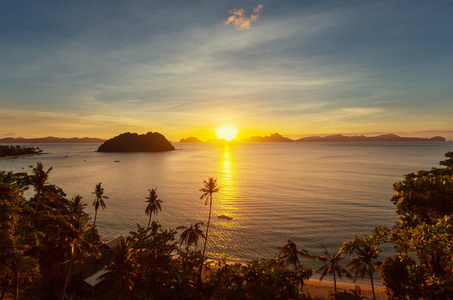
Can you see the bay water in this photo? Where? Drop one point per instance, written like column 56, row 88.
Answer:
column 312, row 193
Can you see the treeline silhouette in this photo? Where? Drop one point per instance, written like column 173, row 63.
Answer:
column 6, row 150
column 48, row 246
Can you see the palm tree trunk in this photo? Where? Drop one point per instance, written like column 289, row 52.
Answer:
column 372, row 285
column 67, row 275
column 5, row 290
column 95, row 215
column 16, row 284
column 205, row 242
column 335, row 283
column 38, row 197
column 297, row 283
column 120, row 289
column 149, row 222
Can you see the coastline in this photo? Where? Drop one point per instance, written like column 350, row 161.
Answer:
column 19, row 156
column 322, row 290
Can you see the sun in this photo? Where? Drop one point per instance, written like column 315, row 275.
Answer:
column 227, row 132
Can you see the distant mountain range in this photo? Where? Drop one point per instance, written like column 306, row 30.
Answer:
column 362, row 138
column 278, row 138
column 273, row 138
column 190, row 139
column 50, row 140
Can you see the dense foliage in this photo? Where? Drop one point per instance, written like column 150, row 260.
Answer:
column 7, row 150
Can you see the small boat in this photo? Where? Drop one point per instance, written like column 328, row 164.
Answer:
column 224, row 217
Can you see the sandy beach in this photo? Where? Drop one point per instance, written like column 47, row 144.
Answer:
column 322, row 290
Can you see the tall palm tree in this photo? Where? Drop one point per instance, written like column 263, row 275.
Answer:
column 191, row 235
column 154, row 204
column 99, row 200
column 331, row 265
column 290, row 255
column 38, row 180
column 210, row 187
column 365, row 263
column 80, row 243
column 121, row 270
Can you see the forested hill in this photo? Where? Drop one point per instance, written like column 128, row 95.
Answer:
column 50, row 140
column 133, row 142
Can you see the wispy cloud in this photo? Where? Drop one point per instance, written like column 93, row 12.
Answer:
column 239, row 17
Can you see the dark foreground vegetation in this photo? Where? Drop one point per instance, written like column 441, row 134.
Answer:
column 49, row 246
column 6, row 150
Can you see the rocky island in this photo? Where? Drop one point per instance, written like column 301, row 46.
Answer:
column 190, row 139
column 133, row 142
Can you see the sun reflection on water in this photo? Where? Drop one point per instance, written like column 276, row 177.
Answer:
column 228, row 193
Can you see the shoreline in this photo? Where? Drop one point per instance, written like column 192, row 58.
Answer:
column 322, row 290
column 21, row 155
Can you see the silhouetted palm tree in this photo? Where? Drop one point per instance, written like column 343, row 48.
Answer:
column 365, row 262
column 191, row 235
column 99, row 200
column 38, row 180
column 290, row 254
column 154, row 204
column 76, row 205
column 121, row 270
column 210, row 187
column 80, row 243
column 332, row 266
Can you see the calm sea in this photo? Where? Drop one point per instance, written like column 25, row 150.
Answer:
column 311, row 193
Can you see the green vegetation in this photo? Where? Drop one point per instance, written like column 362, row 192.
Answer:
column 423, row 236
column 43, row 239
column 6, row 150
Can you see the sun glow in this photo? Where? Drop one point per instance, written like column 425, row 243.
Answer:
column 227, row 133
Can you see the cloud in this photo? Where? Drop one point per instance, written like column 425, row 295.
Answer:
column 239, row 18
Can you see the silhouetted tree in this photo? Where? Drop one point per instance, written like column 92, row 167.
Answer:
column 81, row 242
column 99, row 200
column 17, row 236
column 365, row 252
column 76, row 206
column 39, row 180
column 331, row 266
column 191, row 235
column 121, row 272
column 154, row 204
column 210, row 187
column 290, row 255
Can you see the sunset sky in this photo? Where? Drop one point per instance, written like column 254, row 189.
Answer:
column 184, row 68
